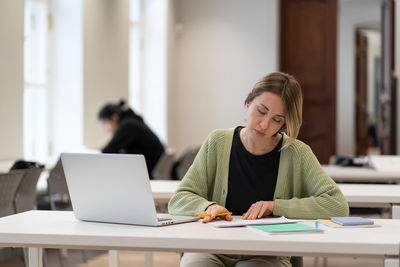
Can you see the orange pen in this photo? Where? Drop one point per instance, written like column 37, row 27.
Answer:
column 202, row 215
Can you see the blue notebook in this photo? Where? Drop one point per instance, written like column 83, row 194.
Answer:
column 351, row 220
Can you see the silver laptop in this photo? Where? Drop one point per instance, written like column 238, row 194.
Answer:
column 113, row 188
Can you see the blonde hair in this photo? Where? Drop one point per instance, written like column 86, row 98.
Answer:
column 289, row 89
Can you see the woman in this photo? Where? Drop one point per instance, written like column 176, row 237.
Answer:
column 130, row 134
column 258, row 170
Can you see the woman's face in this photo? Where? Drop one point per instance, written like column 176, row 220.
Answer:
column 110, row 125
column 265, row 115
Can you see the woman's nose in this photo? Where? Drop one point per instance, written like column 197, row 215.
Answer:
column 264, row 123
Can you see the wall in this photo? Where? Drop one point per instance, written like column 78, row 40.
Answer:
column 11, row 78
column 105, row 62
column 351, row 14
column 171, row 90
column 221, row 49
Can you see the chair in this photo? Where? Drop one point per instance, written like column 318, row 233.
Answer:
column 296, row 261
column 25, row 198
column 9, row 183
column 183, row 164
column 59, row 196
column 162, row 170
column 57, row 189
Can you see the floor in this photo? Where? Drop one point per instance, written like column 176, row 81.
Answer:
column 160, row 259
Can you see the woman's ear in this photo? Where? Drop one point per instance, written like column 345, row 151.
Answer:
column 115, row 117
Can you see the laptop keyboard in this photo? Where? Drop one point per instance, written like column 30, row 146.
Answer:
column 163, row 218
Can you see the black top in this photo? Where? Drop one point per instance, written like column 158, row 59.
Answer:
column 134, row 137
column 251, row 177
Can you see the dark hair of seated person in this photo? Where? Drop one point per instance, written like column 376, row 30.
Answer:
column 132, row 135
column 108, row 110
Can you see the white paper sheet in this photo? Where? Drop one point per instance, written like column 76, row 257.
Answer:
column 238, row 221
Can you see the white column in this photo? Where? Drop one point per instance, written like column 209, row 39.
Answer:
column 155, row 67
column 66, row 75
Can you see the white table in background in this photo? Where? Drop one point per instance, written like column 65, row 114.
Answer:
column 361, row 174
column 163, row 190
column 5, row 165
column 373, row 195
column 357, row 195
column 60, row 229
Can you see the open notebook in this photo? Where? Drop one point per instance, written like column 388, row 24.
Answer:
column 238, row 222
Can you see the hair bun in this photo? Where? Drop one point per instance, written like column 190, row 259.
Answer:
column 121, row 103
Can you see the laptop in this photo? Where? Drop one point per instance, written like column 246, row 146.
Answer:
column 113, row 188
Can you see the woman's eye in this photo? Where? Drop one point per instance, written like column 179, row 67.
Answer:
column 277, row 120
column 261, row 112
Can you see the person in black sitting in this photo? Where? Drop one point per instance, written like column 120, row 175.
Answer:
column 130, row 134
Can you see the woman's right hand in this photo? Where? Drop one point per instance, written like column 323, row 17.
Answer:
column 215, row 209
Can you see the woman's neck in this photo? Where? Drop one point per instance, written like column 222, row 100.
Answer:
column 261, row 147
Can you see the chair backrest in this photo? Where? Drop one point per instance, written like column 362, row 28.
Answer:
column 162, row 170
column 25, row 198
column 184, row 163
column 9, row 183
column 296, row 261
column 57, row 188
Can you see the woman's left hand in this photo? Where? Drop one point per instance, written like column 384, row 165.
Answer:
column 258, row 210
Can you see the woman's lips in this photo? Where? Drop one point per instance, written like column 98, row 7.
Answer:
column 259, row 132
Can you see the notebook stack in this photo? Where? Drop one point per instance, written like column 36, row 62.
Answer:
column 348, row 222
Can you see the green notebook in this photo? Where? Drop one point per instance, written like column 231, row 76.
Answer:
column 285, row 228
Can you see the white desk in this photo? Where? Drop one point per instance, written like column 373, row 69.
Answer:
column 357, row 195
column 373, row 195
column 360, row 174
column 60, row 229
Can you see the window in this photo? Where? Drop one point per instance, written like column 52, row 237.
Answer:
column 136, row 46
column 148, row 62
column 35, row 102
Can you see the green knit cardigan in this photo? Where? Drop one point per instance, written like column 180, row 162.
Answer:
column 303, row 189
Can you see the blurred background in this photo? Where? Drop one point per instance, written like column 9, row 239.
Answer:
column 187, row 65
